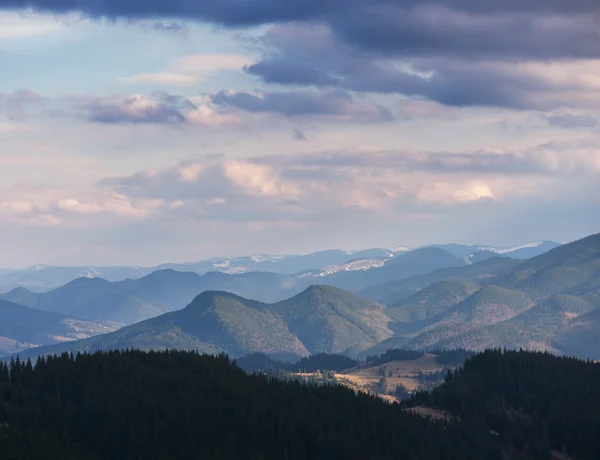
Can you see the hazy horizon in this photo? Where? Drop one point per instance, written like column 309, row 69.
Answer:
column 399, row 247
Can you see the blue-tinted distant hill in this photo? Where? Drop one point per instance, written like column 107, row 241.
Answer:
column 40, row 278
column 23, row 327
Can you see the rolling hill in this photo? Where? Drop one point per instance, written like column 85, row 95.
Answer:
column 546, row 302
column 393, row 292
column 23, row 327
column 129, row 301
column 320, row 319
column 432, row 300
column 550, row 302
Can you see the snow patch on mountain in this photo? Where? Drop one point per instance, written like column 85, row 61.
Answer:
column 355, row 265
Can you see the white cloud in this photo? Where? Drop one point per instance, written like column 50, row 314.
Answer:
column 189, row 172
column 15, row 25
column 190, row 70
column 161, row 78
column 259, row 180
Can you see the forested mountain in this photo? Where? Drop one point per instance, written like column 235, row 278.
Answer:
column 179, row 405
column 23, row 327
column 536, row 403
column 548, row 302
column 432, row 300
column 133, row 300
column 320, row 319
column 392, row 292
column 542, row 303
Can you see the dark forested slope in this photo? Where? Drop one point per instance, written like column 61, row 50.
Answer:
column 535, row 402
column 180, row 405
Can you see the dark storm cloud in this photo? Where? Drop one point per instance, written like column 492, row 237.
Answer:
column 534, row 28
column 304, row 103
column 236, row 12
column 452, row 81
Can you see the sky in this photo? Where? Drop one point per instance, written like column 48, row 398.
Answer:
column 171, row 131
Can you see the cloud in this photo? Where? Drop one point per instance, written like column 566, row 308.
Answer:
column 312, row 186
column 46, row 207
column 175, row 28
column 159, row 108
column 540, row 29
column 16, row 104
column 161, row 78
column 459, row 81
column 298, row 134
column 20, row 25
column 550, row 159
column 334, row 103
column 569, row 121
column 134, row 109
column 455, row 52
column 191, row 70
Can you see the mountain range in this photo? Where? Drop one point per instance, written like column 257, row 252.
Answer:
column 44, row 277
column 320, row 319
column 133, row 300
column 428, row 298
column 23, row 327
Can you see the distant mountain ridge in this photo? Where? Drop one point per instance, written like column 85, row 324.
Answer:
column 549, row 302
column 43, row 277
column 133, row 300
column 546, row 302
column 428, row 299
column 23, row 327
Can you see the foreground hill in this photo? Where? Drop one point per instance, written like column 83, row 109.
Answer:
column 320, row 319
column 536, row 403
column 180, row 405
column 23, row 327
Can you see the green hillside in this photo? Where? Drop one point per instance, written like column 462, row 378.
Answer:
column 432, row 300
column 558, row 270
column 392, row 292
column 545, row 303
column 321, row 319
